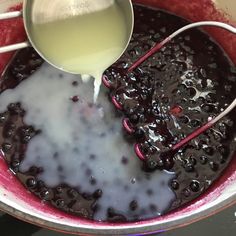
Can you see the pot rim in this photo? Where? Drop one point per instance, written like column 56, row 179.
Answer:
column 131, row 229
column 145, row 227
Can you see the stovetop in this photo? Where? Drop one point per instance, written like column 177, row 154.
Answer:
column 221, row 224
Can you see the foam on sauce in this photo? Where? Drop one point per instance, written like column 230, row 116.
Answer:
column 82, row 145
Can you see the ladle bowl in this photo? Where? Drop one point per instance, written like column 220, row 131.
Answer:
column 42, row 11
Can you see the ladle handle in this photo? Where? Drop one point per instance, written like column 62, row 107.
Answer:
column 13, row 47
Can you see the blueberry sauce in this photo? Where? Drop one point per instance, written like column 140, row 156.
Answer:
column 166, row 98
column 174, row 92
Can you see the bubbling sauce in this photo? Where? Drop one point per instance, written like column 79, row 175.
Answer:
column 74, row 154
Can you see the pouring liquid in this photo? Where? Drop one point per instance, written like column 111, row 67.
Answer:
column 84, row 44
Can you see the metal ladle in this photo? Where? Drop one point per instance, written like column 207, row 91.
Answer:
column 43, row 10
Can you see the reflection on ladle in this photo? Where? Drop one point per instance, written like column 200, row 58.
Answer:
column 172, row 150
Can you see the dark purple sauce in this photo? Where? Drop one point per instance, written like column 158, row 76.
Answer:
column 170, row 95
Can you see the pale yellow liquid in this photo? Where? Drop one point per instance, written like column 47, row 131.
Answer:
column 84, row 44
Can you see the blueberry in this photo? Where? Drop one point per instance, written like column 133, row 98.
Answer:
column 165, row 100
column 209, row 151
column 184, row 119
column 93, row 181
column 151, row 164
column 95, row 207
column 59, row 190
column 133, row 205
column 222, row 128
column 168, row 163
column 75, row 83
column 160, row 163
column 149, row 192
column 203, row 160
column 152, row 150
column 6, row 147
column 174, row 185
column 40, row 184
column 60, row 203
column 92, row 157
column 222, row 159
column 134, row 118
column 88, row 172
column 46, row 195
column 31, row 183
column 26, row 139
column 195, row 186
column 75, row 99
column 201, row 100
column 153, row 207
column 186, row 192
column 195, row 123
column 214, row 166
column 182, row 88
column 12, row 108
column 125, row 160
column 3, row 117
column 111, row 212
column 72, row 193
column 26, row 130
column 98, row 193
column 189, row 167
column 208, row 108
column 223, row 151
column 193, row 160
column 139, row 133
column 60, row 168
column 15, row 163
column 191, row 92
column 9, row 133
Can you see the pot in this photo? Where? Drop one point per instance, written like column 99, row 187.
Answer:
column 15, row 200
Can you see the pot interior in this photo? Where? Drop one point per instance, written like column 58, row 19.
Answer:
column 17, row 201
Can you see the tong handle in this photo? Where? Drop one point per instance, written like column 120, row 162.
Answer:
column 13, row 47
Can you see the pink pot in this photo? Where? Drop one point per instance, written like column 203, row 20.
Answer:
column 15, row 200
